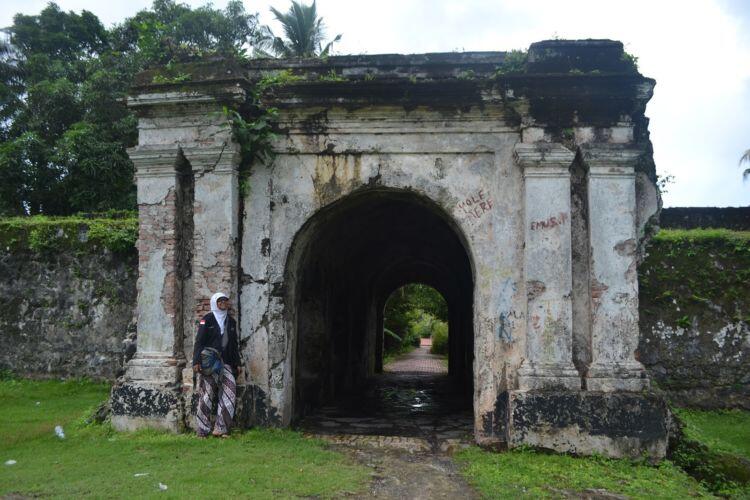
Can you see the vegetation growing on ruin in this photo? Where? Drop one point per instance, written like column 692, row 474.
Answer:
column 256, row 131
column 631, row 60
column 332, row 76
column 78, row 233
column 94, row 461
column 688, row 270
column 513, row 62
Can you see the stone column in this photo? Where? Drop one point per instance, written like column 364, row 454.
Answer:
column 148, row 393
column 216, row 221
column 614, row 277
column 547, row 268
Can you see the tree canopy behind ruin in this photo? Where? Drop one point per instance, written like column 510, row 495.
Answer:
column 64, row 123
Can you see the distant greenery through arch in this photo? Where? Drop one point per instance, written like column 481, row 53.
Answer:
column 413, row 312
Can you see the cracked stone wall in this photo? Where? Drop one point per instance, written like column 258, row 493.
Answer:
column 67, row 313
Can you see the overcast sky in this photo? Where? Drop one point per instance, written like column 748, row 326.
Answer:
column 697, row 50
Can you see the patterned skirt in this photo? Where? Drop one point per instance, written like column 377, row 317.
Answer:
column 223, row 387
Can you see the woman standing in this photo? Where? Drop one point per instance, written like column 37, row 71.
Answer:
column 216, row 357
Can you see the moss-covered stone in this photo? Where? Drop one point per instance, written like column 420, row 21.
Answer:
column 695, row 316
column 51, row 234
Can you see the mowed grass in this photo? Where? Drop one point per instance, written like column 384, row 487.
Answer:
column 529, row 474
column 526, row 473
column 93, row 460
column 724, row 430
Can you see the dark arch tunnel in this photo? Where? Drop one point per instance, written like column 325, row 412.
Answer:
column 347, row 260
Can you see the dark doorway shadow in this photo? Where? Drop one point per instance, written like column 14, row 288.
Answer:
column 345, row 263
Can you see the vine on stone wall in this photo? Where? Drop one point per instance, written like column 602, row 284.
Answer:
column 256, row 134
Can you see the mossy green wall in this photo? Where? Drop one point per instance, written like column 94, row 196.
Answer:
column 695, row 316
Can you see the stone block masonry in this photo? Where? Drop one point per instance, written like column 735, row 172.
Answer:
column 694, row 322
column 68, row 298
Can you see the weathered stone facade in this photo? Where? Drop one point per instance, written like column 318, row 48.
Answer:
column 521, row 196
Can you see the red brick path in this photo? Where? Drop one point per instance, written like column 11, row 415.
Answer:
column 417, row 361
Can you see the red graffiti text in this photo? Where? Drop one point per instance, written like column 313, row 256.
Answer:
column 554, row 221
column 476, row 205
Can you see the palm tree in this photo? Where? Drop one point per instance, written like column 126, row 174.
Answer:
column 304, row 33
column 745, row 158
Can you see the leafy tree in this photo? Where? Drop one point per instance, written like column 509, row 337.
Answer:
column 304, row 33
column 745, row 158
column 10, row 86
column 64, row 124
column 172, row 31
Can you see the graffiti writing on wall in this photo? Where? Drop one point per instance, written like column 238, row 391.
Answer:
column 506, row 321
column 550, row 222
column 476, row 205
column 505, row 325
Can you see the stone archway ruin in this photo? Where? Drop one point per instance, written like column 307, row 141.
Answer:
column 345, row 262
column 544, row 175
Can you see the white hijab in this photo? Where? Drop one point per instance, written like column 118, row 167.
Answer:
column 221, row 316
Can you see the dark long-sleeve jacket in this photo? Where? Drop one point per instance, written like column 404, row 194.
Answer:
column 209, row 335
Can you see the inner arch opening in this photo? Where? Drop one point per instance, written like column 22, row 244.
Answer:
column 415, row 331
column 345, row 263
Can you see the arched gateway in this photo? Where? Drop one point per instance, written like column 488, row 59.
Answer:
column 522, row 195
column 344, row 264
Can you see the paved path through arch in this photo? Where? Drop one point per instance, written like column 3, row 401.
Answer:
column 418, row 361
column 403, row 426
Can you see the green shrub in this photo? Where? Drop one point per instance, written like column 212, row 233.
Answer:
column 422, row 327
column 409, row 315
column 439, row 338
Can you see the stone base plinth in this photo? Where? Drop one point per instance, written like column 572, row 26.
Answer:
column 613, row 424
column 149, row 395
column 617, row 377
column 549, row 376
column 136, row 406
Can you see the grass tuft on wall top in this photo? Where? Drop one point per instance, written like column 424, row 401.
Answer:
column 81, row 233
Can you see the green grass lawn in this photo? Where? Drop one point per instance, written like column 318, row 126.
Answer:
column 716, row 449
column 530, row 474
column 727, row 430
column 93, row 460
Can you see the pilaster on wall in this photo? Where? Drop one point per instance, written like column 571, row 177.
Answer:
column 216, row 220
column 187, row 176
column 147, row 395
column 547, row 267
column 614, row 278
